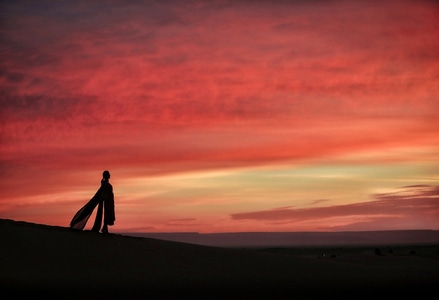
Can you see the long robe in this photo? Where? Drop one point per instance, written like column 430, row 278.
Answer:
column 82, row 216
column 108, row 205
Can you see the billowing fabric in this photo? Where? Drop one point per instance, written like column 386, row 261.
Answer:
column 82, row 216
column 104, row 199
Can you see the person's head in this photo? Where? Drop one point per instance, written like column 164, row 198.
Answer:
column 106, row 175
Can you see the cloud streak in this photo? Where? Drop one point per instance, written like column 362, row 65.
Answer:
column 409, row 204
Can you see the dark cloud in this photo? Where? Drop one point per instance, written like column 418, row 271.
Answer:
column 12, row 77
column 31, row 107
column 411, row 202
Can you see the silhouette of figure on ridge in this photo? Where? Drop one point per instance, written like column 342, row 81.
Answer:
column 104, row 199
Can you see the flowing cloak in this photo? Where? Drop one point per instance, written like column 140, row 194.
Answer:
column 82, row 216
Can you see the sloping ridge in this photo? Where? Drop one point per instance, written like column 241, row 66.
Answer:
column 56, row 262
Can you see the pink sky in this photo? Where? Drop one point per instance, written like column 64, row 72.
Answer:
column 222, row 116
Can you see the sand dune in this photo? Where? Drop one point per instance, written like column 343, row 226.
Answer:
column 55, row 262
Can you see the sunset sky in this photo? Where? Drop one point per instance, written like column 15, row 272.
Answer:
column 222, row 116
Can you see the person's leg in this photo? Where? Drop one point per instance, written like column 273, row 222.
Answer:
column 104, row 228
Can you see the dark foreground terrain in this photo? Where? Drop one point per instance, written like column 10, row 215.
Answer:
column 40, row 261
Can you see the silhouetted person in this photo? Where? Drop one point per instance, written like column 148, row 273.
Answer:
column 104, row 199
column 106, row 204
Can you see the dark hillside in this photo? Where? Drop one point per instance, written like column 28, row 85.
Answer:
column 54, row 262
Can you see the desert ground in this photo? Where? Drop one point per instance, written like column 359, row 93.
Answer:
column 51, row 262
